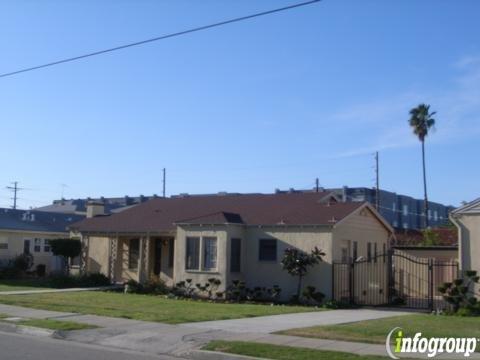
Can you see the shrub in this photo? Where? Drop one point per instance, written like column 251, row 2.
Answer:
column 184, row 289
column 459, row 295
column 93, row 280
column 312, row 297
column 22, row 262
column 236, row 291
column 62, row 281
column 155, row 287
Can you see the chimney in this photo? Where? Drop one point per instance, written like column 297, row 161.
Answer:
column 95, row 208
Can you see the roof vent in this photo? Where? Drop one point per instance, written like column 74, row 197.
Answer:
column 333, row 220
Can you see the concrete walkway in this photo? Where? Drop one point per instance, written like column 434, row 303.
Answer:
column 185, row 340
column 46, row 291
column 269, row 324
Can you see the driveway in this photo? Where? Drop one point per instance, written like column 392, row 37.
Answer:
column 274, row 323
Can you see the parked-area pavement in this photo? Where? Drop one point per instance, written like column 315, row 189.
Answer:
column 185, row 340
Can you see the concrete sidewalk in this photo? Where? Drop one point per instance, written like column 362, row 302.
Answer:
column 274, row 323
column 185, row 340
column 46, row 291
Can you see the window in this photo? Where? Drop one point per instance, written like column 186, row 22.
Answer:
column 171, row 252
column 235, row 254
column 192, row 261
column 37, row 245
column 405, row 210
column 4, row 245
column 133, row 253
column 267, row 250
column 26, row 246
column 209, row 253
column 369, row 251
column 46, row 245
column 355, row 251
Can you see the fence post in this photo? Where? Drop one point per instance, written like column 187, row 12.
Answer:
column 351, row 282
column 333, row 281
column 390, row 277
column 430, row 284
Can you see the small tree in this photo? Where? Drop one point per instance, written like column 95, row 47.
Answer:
column 430, row 238
column 297, row 262
column 67, row 249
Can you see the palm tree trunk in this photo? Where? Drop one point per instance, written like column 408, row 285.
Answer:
column 426, row 222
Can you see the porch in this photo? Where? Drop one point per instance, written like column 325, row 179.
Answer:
column 141, row 258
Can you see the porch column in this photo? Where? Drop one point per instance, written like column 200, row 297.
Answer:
column 112, row 259
column 143, row 260
column 84, row 255
column 147, row 257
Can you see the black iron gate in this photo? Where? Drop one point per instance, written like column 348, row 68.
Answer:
column 395, row 278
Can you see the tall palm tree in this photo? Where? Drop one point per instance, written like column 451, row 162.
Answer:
column 421, row 120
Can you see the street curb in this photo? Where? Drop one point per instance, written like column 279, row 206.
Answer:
column 30, row 330
column 216, row 355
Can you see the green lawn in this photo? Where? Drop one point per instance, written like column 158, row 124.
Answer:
column 145, row 307
column 22, row 284
column 280, row 352
column 375, row 331
column 54, row 324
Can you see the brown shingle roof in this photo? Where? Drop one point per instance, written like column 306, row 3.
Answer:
column 161, row 214
column 445, row 237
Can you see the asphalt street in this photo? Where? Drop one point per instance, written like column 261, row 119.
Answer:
column 25, row 347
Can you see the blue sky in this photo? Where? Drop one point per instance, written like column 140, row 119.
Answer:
column 270, row 103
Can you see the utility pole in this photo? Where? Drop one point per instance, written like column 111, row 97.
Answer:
column 377, row 183
column 317, row 185
column 15, row 190
column 164, row 181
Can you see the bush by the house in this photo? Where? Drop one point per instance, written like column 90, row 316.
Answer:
column 62, row 281
column 17, row 267
column 153, row 287
column 459, row 294
column 312, row 297
column 238, row 291
column 210, row 289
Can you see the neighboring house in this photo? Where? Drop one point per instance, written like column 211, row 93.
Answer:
column 230, row 237
column 467, row 220
column 79, row 206
column 29, row 231
column 401, row 211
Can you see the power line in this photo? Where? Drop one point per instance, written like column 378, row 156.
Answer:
column 163, row 37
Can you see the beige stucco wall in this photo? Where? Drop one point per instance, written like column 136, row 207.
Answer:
column 363, row 227
column 98, row 253
column 267, row 274
column 469, row 241
column 15, row 241
column 201, row 276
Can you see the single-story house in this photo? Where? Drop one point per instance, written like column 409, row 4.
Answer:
column 230, row 237
column 467, row 219
column 29, row 231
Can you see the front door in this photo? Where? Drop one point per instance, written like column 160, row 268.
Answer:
column 26, row 246
column 157, row 257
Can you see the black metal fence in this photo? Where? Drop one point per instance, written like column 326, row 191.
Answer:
column 395, row 278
